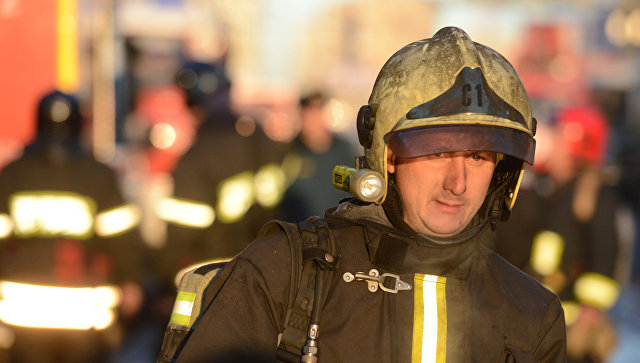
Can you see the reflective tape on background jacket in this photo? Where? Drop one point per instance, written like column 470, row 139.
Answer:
column 596, row 290
column 52, row 214
column 57, row 307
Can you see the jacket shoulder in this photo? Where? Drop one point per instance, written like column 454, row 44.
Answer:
column 512, row 277
column 268, row 250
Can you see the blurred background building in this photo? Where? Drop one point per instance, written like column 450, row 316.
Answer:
column 120, row 59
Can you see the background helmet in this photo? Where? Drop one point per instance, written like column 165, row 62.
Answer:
column 585, row 132
column 201, row 81
column 447, row 94
column 59, row 118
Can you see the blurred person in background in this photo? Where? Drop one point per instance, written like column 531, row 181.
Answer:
column 566, row 222
column 318, row 149
column 71, row 259
column 227, row 184
column 626, row 136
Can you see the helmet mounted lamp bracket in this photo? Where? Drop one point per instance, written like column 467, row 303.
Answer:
column 365, row 124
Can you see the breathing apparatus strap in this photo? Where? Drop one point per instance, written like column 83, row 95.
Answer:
column 315, row 262
column 313, row 259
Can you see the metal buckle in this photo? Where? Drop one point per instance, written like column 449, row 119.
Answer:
column 375, row 280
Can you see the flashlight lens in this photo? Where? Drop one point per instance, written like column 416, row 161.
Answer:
column 370, row 186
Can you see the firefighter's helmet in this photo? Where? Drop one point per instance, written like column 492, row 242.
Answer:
column 59, row 118
column 585, row 132
column 446, row 94
column 201, row 80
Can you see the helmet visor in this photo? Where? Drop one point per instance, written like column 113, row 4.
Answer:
column 422, row 141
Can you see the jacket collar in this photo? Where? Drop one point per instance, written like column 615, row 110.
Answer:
column 406, row 252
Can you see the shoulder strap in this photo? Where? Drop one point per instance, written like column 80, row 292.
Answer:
column 311, row 246
column 295, row 248
column 196, row 290
column 316, row 260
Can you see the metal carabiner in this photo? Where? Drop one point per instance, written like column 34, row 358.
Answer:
column 375, row 280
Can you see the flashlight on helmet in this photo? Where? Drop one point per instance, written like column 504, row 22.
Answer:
column 364, row 184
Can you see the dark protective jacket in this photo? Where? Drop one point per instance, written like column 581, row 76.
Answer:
column 46, row 253
column 589, row 243
column 220, row 154
column 466, row 304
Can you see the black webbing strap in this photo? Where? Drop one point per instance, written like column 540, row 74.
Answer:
column 317, row 251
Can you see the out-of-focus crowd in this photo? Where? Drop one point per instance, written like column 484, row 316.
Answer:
column 92, row 253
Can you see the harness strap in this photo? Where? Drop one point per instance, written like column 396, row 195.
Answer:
column 317, row 251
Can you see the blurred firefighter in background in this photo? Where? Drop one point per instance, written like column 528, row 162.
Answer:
column 566, row 221
column 70, row 252
column 318, row 149
column 226, row 186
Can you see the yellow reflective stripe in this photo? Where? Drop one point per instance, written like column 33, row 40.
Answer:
column 546, row 252
column 597, row 290
column 6, row 226
column 182, row 308
column 292, row 167
column 117, row 220
column 418, row 319
column 270, row 183
column 571, row 311
column 430, row 319
column 441, row 349
column 235, row 196
column 185, row 212
column 52, row 214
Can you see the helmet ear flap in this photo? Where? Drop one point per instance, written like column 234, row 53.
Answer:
column 365, row 123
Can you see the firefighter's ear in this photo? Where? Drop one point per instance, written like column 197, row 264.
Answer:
column 365, row 122
column 391, row 162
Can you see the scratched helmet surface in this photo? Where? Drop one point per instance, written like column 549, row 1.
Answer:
column 446, row 94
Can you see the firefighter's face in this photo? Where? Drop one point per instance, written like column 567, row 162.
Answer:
column 441, row 193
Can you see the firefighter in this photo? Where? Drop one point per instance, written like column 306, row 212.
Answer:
column 446, row 134
column 570, row 240
column 227, row 183
column 69, row 248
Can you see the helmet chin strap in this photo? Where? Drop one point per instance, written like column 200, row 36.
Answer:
column 394, row 211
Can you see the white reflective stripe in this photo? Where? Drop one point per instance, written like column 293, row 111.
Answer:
column 429, row 334
column 235, row 196
column 6, row 226
column 52, row 214
column 185, row 212
column 57, row 307
column 597, row 290
column 546, row 252
column 183, row 307
column 117, row 220
column 270, row 183
column 430, row 327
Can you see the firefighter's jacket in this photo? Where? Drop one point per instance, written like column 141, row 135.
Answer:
column 465, row 304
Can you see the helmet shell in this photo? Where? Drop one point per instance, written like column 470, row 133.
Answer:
column 200, row 81
column 449, row 80
column 585, row 132
column 59, row 118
